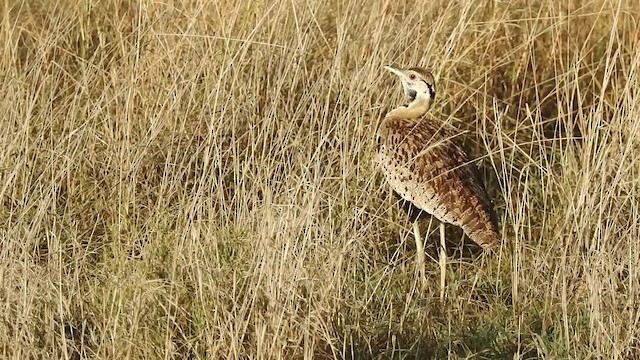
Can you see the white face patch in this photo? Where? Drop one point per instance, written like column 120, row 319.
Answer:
column 417, row 84
column 413, row 84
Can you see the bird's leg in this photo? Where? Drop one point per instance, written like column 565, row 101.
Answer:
column 420, row 252
column 443, row 261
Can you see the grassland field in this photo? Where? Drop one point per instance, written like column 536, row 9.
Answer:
column 194, row 180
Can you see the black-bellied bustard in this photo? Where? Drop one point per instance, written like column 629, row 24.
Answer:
column 430, row 172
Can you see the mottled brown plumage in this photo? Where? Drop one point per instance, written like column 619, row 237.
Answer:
column 426, row 167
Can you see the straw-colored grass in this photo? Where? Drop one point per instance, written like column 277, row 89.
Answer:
column 194, row 179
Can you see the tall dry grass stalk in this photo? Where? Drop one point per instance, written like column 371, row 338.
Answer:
column 194, row 180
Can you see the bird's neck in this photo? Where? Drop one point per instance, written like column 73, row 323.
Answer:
column 417, row 108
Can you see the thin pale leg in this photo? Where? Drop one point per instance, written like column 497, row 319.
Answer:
column 420, row 262
column 443, row 261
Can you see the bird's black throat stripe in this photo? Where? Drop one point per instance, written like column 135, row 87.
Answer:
column 412, row 94
column 432, row 90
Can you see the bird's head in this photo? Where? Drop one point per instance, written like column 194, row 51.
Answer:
column 418, row 83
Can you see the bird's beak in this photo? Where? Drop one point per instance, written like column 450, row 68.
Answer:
column 396, row 71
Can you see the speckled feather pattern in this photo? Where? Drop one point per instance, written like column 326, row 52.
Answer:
column 424, row 165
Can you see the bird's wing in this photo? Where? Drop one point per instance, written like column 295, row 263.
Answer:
column 424, row 164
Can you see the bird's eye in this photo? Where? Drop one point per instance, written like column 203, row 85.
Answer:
column 412, row 76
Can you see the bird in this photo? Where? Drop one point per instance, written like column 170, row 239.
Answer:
column 430, row 172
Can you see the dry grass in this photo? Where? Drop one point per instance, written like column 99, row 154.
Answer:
column 194, row 180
